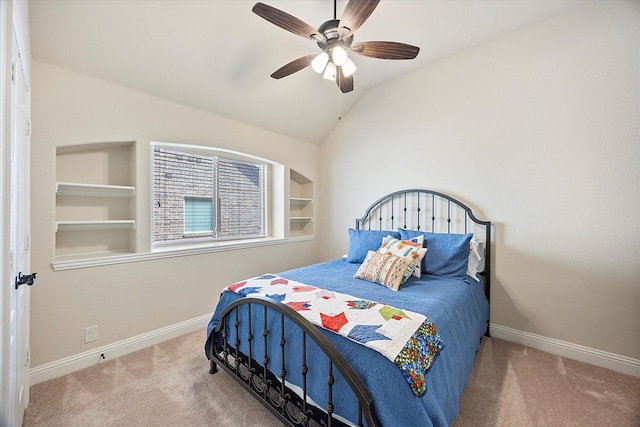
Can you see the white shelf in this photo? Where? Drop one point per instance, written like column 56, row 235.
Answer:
column 95, row 225
column 94, row 190
column 300, row 200
column 95, row 201
column 300, row 205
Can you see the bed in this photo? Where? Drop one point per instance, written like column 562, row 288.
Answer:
column 307, row 370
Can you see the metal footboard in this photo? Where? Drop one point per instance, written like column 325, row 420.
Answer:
column 251, row 343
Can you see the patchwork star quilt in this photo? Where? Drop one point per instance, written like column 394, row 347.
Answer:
column 408, row 339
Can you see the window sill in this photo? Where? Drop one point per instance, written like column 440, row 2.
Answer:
column 97, row 260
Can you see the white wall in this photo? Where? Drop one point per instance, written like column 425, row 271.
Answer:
column 126, row 300
column 538, row 132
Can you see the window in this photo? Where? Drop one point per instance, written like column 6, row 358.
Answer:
column 198, row 215
column 199, row 195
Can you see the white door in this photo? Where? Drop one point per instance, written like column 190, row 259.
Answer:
column 17, row 350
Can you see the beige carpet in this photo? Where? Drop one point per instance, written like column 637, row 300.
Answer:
column 169, row 385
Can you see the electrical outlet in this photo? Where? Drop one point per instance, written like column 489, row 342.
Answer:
column 90, row 334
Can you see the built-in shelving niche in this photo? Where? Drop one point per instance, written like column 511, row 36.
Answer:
column 95, row 200
column 300, row 205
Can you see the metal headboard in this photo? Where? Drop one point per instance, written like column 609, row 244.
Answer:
column 427, row 210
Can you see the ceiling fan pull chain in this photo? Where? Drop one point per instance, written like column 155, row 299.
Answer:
column 339, row 98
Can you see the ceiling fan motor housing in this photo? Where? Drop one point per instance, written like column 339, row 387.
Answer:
column 330, row 31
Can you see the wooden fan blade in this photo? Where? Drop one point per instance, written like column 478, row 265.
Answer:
column 285, row 21
column 344, row 83
column 386, row 50
column 294, row 66
column 355, row 13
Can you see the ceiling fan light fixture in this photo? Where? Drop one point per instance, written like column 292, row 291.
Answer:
column 348, row 68
column 319, row 63
column 339, row 56
column 330, row 71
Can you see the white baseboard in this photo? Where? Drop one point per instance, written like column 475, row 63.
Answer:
column 92, row 357
column 57, row 368
column 615, row 362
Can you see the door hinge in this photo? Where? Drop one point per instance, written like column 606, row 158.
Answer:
column 27, row 243
column 27, row 361
column 14, row 73
column 28, row 128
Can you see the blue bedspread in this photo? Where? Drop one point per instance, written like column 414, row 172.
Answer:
column 459, row 311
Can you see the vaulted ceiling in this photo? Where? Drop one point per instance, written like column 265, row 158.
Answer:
column 218, row 56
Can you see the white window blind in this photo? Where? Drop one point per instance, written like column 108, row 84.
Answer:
column 198, row 215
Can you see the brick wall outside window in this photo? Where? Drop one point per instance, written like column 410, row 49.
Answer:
column 238, row 198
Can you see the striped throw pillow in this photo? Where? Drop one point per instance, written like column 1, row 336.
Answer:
column 386, row 269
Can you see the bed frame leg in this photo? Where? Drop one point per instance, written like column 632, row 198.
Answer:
column 213, row 368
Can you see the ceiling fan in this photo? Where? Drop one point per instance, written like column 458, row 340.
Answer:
column 335, row 39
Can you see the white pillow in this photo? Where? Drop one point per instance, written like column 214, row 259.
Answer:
column 476, row 258
column 409, row 248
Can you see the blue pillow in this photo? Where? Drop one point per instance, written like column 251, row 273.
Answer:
column 447, row 253
column 363, row 241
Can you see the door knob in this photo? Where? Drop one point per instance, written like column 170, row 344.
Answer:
column 23, row 279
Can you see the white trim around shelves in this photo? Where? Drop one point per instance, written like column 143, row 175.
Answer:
column 101, row 259
column 615, row 362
